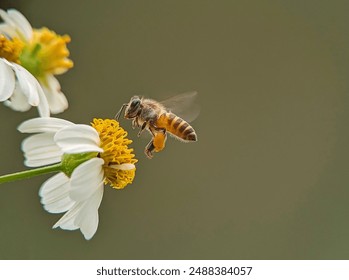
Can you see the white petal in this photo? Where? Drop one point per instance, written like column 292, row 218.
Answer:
column 7, row 19
column 7, row 30
column 56, row 99
column 51, row 186
column 38, row 141
column 40, row 150
column 18, row 101
column 54, row 194
column 89, row 223
column 43, row 107
column 78, row 138
column 28, row 84
column 28, row 90
column 67, row 221
column 21, row 23
column 16, row 25
column 37, row 125
column 86, row 178
column 83, row 215
column 124, row 166
column 7, row 81
column 87, row 218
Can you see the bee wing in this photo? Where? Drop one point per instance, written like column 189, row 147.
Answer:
column 183, row 105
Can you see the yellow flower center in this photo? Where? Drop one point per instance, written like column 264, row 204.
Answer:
column 10, row 49
column 46, row 53
column 116, row 152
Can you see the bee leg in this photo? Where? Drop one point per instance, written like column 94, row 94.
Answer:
column 141, row 129
column 117, row 116
column 159, row 140
column 149, row 149
column 134, row 123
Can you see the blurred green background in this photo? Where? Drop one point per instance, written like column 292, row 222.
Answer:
column 268, row 178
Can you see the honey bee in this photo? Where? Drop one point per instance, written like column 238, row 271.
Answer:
column 160, row 118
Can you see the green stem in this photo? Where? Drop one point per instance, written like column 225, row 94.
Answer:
column 30, row 173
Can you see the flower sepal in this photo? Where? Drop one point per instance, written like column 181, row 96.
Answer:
column 29, row 60
column 71, row 161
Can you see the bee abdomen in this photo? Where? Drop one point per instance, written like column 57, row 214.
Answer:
column 191, row 136
column 179, row 127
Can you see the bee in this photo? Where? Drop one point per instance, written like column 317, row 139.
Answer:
column 159, row 118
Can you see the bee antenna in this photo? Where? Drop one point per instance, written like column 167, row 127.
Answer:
column 117, row 116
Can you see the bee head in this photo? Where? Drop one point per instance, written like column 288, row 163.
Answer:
column 133, row 107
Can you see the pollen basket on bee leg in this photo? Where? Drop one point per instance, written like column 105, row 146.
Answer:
column 159, row 141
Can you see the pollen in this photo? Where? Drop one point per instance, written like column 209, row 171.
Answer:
column 116, row 153
column 10, row 49
column 46, row 53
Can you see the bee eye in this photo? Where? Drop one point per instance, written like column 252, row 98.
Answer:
column 135, row 103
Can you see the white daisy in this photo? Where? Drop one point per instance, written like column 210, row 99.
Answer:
column 41, row 51
column 90, row 157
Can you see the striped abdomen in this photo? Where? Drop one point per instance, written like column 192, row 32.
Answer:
column 177, row 126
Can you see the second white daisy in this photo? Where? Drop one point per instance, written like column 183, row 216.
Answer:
column 40, row 51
